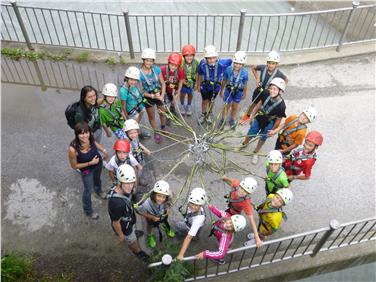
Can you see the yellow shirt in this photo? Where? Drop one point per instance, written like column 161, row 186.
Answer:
column 270, row 221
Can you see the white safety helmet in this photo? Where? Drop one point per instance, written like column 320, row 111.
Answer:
column 279, row 82
column 130, row 124
column 249, row 184
column 285, row 194
column 125, row 174
column 210, row 51
column 148, row 53
column 311, row 113
column 132, row 72
column 275, row 157
column 109, row 89
column 162, row 187
column 240, row 57
column 239, row 222
column 273, row 56
column 197, row 196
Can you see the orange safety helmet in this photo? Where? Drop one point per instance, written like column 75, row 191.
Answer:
column 188, row 50
column 175, row 59
column 315, row 137
column 122, row 145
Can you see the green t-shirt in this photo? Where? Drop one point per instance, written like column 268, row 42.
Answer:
column 279, row 182
column 111, row 115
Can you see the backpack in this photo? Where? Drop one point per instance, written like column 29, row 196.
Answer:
column 70, row 113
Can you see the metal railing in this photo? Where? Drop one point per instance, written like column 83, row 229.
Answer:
column 309, row 243
column 124, row 32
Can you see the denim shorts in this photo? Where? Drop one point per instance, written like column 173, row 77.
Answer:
column 187, row 90
column 256, row 129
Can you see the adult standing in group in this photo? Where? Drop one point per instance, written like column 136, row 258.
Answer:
column 83, row 154
column 121, row 211
column 88, row 111
column 154, row 90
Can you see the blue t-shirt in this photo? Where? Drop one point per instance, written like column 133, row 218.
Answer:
column 132, row 98
column 236, row 78
column 222, row 65
column 151, row 81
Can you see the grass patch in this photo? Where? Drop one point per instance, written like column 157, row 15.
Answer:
column 15, row 267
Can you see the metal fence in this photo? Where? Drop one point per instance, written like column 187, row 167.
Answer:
column 291, row 247
column 131, row 33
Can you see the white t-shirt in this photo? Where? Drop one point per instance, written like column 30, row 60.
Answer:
column 112, row 165
column 197, row 222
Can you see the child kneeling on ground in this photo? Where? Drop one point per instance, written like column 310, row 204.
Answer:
column 271, row 214
column 194, row 219
column 155, row 210
column 223, row 229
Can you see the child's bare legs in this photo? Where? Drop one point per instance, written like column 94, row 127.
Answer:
column 182, row 98
column 204, row 106
column 162, row 117
column 234, row 110
column 151, row 117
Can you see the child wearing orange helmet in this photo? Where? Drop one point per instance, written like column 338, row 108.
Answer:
column 190, row 67
column 173, row 76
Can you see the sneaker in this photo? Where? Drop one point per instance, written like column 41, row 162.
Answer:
column 201, row 119
column 251, row 236
column 93, row 216
column 151, row 241
column 144, row 134
column 183, row 109
column 157, row 138
column 169, row 232
column 167, row 129
column 143, row 256
column 219, row 261
column 232, row 124
column 254, row 159
column 220, row 123
column 188, row 110
column 244, row 119
column 250, row 242
column 139, row 233
column 209, row 118
column 102, row 195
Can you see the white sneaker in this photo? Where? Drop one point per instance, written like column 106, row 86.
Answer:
column 183, row 110
column 188, row 110
column 254, row 159
column 250, row 242
column 251, row 236
column 209, row 118
column 201, row 119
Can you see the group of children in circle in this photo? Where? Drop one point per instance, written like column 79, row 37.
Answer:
column 149, row 86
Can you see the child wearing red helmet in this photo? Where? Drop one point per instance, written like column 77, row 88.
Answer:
column 122, row 156
column 300, row 161
column 173, row 76
column 190, row 67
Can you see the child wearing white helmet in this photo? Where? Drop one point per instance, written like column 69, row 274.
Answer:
column 194, row 219
column 271, row 214
column 210, row 76
column 223, row 229
column 239, row 200
column 122, row 213
column 266, row 115
column 155, row 210
column 154, row 90
column 276, row 177
column 234, row 87
column 111, row 115
column 267, row 73
column 293, row 130
column 132, row 129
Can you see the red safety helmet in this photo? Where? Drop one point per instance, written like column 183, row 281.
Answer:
column 122, row 145
column 188, row 50
column 315, row 137
column 175, row 59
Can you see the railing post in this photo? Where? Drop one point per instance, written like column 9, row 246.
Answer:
column 129, row 33
column 334, row 225
column 241, row 28
column 355, row 4
column 22, row 26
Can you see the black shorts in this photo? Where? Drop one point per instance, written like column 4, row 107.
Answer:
column 151, row 102
column 208, row 95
